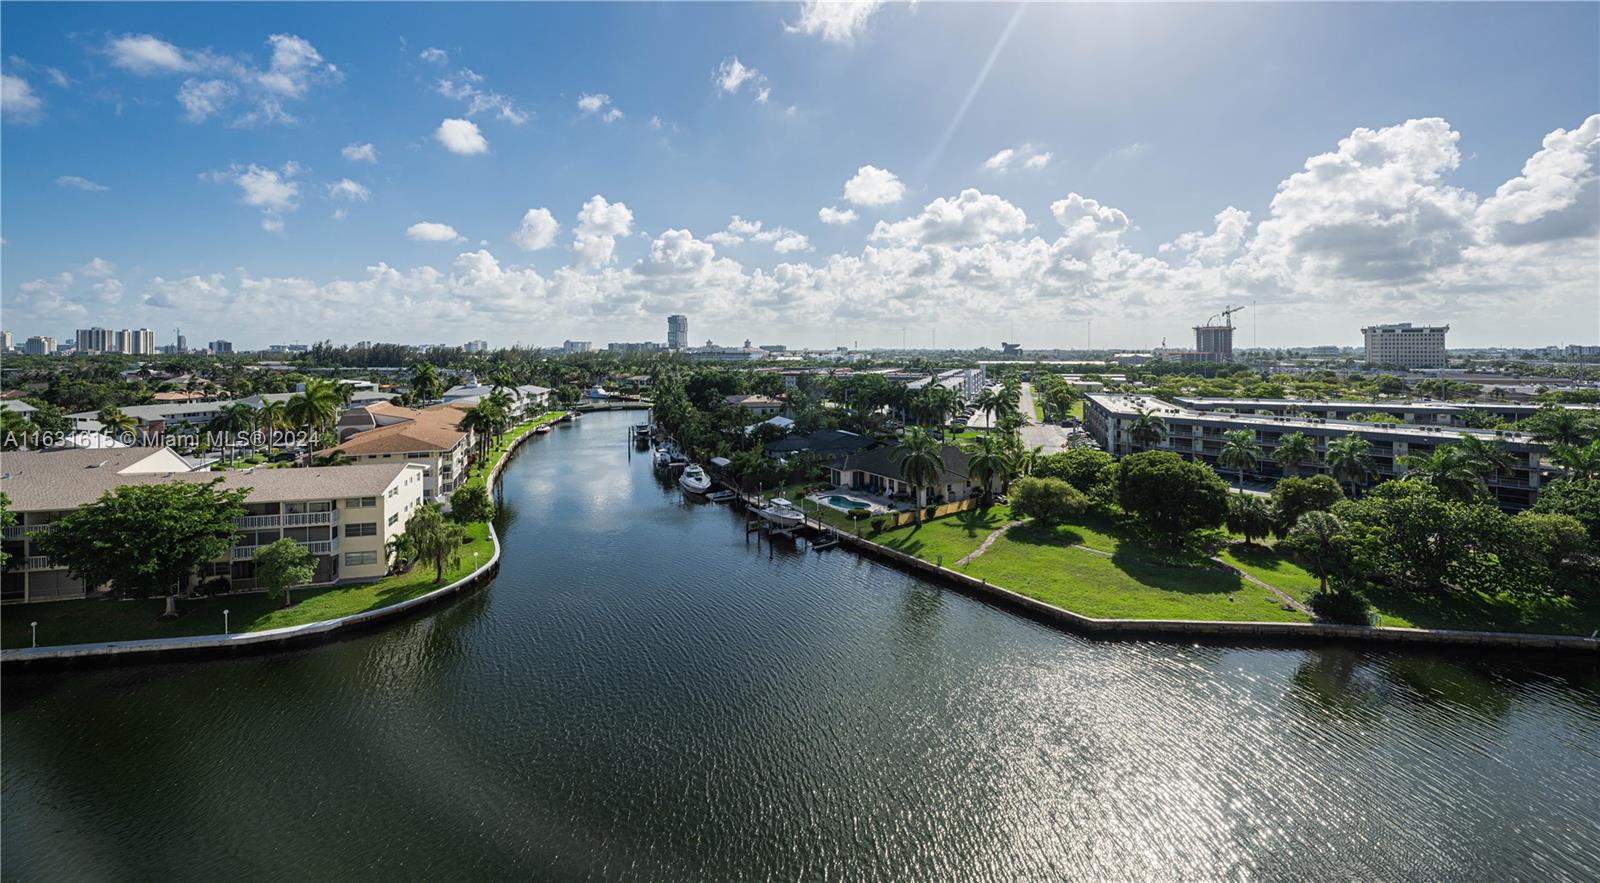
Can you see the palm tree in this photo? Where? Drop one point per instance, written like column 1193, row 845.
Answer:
column 1294, row 449
column 1449, row 469
column 114, row 422
column 480, row 421
column 921, row 463
column 335, row 457
column 1580, row 462
column 1561, row 426
column 1148, row 429
column 501, row 404
column 272, row 418
column 1008, row 399
column 1317, row 533
column 229, row 421
column 15, row 430
column 1028, row 459
column 992, row 460
column 424, row 382
column 986, row 402
column 316, row 408
column 1349, row 458
column 1490, row 458
column 1240, row 452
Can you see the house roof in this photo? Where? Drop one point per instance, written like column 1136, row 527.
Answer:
column 430, row 429
column 883, row 461
column 823, row 442
column 66, row 479
column 751, row 401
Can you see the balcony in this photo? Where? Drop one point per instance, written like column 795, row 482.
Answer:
column 310, row 519
column 253, row 522
column 38, row 562
column 315, row 547
column 17, row 531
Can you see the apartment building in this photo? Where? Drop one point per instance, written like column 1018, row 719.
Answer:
column 677, row 332
column 1406, row 345
column 344, row 515
column 430, row 437
column 1199, row 434
column 1419, row 412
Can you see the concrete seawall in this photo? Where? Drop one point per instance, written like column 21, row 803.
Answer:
column 243, row 643
column 1220, row 631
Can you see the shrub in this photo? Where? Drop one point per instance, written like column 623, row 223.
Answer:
column 878, row 524
column 1086, row 469
column 1294, row 497
column 1340, row 605
column 1049, row 501
column 471, row 504
column 1171, row 495
column 1249, row 515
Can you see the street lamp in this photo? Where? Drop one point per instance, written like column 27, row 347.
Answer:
column 224, row 620
column 34, row 628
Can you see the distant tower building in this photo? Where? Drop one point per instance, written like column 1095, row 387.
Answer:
column 39, row 345
column 143, row 342
column 476, row 346
column 677, row 332
column 1213, row 342
column 221, row 347
column 6, row 342
column 182, row 342
column 96, row 340
column 1406, row 345
column 576, row 346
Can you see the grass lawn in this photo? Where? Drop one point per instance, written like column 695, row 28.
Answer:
column 95, row 621
column 1265, row 564
column 952, row 537
column 1133, row 583
column 1480, row 611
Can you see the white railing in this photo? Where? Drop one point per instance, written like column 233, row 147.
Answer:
column 315, row 547
column 38, row 562
column 250, row 522
column 306, row 519
column 18, row 531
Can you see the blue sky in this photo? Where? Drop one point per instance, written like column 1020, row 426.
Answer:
column 229, row 208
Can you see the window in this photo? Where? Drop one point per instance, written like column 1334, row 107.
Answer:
column 364, row 529
column 360, row 502
column 393, row 518
column 356, row 559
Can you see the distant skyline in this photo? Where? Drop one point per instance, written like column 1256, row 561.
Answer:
column 843, row 174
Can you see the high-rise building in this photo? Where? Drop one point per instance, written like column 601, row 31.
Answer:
column 182, row 342
column 6, row 343
column 221, row 346
column 1214, row 343
column 96, row 340
column 677, row 332
column 39, row 345
column 1406, row 345
column 476, row 346
column 576, row 346
column 144, row 342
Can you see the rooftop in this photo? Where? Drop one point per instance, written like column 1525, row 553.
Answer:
column 431, row 429
column 1128, row 405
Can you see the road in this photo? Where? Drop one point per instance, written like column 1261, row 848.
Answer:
column 1052, row 439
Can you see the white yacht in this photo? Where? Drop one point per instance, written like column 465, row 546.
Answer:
column 781, row 513
column 694, row 479
column 663, row 458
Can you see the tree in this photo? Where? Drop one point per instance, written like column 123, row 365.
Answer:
column 282, row 565
column 921, row 462
column 1450, row 471
column 7, row 518
column 1294, row 497
column 425, row 384
column 114, row 422
column 1349, row 458
column 16, row 431
column 397, row 549
column 471, row 504
column 315, row 408
column 1556, row 425
column 479, row 420
column 993, row 462
column 335, row 457
column 434, row 540
column 1488, row 457
column 1171, row 495
column 1294, row 449
column 1249, row 515
column 272, row 418
column 229, row 422
column 1048, row 501
column 1239, row 451
column 1318, row 543
column 1409, row 534
column 1578, row 497
column 1090, row 470
column 1147, row 430
column 146, row 539
column 1581, row 463
column 986, row 402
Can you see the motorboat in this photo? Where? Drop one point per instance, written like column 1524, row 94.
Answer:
column 694, row 479
column 541, row 429
column 663, row 458
column 781, row 513
column 721, row 496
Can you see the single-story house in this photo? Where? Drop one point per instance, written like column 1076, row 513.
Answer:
column 761, row 406
column 823, row 443
column 877, row 470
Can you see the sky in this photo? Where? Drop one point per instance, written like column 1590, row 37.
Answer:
column 849, row 174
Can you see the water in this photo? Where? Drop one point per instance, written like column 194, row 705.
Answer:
column 645, row 694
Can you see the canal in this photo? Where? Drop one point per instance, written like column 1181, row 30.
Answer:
column 645, row 693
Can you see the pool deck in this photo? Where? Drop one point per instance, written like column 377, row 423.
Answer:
column 877, row 505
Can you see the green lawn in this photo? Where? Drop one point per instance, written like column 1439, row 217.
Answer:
column 1479, row 611
column 1265, row 564
column 95, row 621
column 951, row 537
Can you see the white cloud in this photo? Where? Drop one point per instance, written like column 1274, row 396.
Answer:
column 466, row 85
column 273, row 191
column 599, row 104
column 731, row 76
column 538, row 230
column 434, row 55
column 970, row 218
column 99, row 268
column 677, row 252
column 790, row 241
column 834, row 215
column 1221, row 245
column 346, row 190
column 461, row 136
column 359, row 153
column 77, row 183
column 191, row 292
column 1026, row 155
column 18, row 102
column 146, row 55
column 429, row 231
column 873, row 187
column 202, row 99
column 740, row 229
column 1557, row 196
column 295, row 62
column 833, row 20
column 599, row 224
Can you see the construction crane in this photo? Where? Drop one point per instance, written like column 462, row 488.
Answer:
column 1226, row 315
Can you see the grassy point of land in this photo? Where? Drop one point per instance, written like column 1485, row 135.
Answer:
column 103, row 620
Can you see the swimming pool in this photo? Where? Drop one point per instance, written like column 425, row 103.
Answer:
column 839, row 502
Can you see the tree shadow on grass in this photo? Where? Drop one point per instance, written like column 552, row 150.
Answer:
column 974, row 520
column 1173, row 575
column 1034, row 534
column 1475, row 610
column 1254, row 555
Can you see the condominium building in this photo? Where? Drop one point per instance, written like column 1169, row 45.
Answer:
column 1198, row 435
column 96, row 340
column 39, row 345
column 221, row 347
column 6, row 342
column 576, row 346
column 677, row 332
column 343, row 515
column 1406, row 345
column 1419, row 412
column 475, row 346
column 430, row 437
